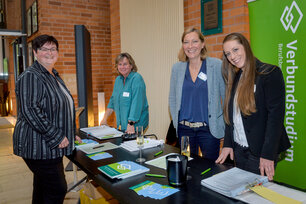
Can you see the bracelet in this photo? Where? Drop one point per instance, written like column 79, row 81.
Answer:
column 131, row 123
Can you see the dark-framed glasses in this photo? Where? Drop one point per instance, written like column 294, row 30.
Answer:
column 44, row 49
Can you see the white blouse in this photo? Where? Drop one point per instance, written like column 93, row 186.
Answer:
column 68, row 97
column 239, row 133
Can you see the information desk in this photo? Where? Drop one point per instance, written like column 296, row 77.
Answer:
column 192, row 192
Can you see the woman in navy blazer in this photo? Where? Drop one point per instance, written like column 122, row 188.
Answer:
column 254, row 109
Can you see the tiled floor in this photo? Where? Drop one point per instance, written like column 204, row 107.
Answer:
column 16, row 178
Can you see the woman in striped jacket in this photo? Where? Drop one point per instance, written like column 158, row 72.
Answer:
column 45, row 128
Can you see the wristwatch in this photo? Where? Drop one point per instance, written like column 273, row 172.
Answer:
column 131, row 123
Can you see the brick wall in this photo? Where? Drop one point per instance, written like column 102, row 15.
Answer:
column 235, row 19
column 102, row 19
column 12, row 12
column 116, row 43
column 57, row 18
column 115, row 29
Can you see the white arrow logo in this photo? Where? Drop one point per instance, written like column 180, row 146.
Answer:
column 287, row 17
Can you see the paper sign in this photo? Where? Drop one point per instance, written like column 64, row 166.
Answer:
column 273, row 196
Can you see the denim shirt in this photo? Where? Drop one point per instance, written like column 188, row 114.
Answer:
column 129, row 101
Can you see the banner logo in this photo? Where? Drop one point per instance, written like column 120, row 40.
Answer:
column 291, row 14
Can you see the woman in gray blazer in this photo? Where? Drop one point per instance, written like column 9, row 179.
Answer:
column 196, row 91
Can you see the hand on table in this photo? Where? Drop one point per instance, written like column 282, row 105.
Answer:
column 77, row 138
column 103, row 122
column 224, row 153
column 266, row 166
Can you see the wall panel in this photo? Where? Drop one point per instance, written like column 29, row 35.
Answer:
column 151, row 32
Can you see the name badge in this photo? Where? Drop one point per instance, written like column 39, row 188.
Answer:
column 254, row 88
column 126, row 94
column 202, row 76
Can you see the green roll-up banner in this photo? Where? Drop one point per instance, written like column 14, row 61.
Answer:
column 278, row 36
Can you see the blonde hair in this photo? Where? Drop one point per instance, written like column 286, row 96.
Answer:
column 182, row 56
column 129, row 58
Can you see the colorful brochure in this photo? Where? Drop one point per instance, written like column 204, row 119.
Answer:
column 123, row 169
column 99, row 155
column 84, row 142
column 153, row 190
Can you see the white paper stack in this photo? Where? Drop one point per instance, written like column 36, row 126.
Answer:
column 102, row 132
column 94, row 148
column 148, row 143
column 233, row 182
column 160, row 162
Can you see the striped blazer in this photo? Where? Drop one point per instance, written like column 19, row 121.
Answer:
column 44, row 115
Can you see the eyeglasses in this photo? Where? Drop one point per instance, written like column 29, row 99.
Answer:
column 43, row 49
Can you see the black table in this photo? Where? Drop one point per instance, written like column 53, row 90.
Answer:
column 192, row 192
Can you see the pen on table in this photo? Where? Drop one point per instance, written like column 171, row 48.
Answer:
column 156, row 175
column 158, row 153
column 207, row 170
column 98, row 146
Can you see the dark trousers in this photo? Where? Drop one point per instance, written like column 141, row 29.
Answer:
column 244, row 159
column 200, row 138
column 49, row 185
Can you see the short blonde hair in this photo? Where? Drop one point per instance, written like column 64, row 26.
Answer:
column 129, row 58
column 182, row 56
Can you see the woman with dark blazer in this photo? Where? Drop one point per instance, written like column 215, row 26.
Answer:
column 254, row 109
column 45, row 127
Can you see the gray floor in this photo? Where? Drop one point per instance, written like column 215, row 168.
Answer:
column 15, row 177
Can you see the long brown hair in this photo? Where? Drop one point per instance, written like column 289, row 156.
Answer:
column 245, row 88
column 182, row 56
